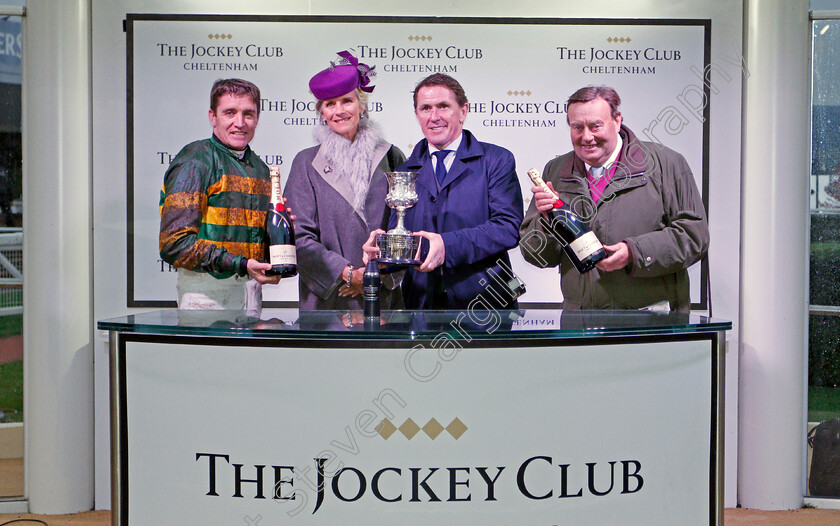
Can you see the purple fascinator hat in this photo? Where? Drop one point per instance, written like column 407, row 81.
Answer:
column 342, row 77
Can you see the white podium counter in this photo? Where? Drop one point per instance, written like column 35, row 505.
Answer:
column 534, row 417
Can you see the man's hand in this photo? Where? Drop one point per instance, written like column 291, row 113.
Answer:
column 437, row 252
column 256, row 269
column 543, row 200
column 617, row 259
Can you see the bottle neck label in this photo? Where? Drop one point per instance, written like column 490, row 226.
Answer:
column 276, row 194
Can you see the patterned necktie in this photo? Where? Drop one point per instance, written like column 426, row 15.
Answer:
column 596, row 172
column 440, row 167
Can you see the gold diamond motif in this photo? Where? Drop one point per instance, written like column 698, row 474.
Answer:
column 433, row 428
column 210, row 36
column 409, row 429
column 386, row 429
column 456, row 428
column 609, row 39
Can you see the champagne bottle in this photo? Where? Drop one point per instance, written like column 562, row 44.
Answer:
column 579, row 242
column 280, row 233
column 372, row 285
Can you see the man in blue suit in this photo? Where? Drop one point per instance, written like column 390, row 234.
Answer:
column 469, row 208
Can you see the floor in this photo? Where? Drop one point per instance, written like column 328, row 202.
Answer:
column 11, row 348
column 732, row 517
column 802, row 517
column 91, row 518
column 11, row 477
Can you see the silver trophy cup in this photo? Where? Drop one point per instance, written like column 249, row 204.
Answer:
column 398, row 246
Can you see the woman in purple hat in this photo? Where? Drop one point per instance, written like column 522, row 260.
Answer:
column 338, row 191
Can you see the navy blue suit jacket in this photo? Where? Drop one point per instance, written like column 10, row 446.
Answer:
column 477, row 211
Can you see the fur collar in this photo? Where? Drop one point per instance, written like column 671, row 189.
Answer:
column 353, row 160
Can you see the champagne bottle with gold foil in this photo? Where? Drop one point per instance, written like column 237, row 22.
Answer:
column 280, row 233
column 579, row 242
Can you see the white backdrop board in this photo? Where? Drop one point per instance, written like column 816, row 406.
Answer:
column 517, row 74
column 223, row 431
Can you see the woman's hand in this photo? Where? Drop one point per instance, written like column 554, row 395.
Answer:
column 353, row 287
column 370, row 249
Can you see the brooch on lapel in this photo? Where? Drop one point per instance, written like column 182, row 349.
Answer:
column 327, row 169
